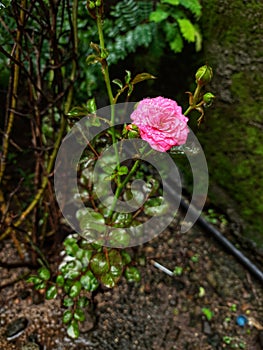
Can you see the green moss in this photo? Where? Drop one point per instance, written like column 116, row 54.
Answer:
column 232, row 135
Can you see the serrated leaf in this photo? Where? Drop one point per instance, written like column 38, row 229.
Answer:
column 51, row 292
column 141, row 77
column 158, row 16
column 67, row 316
column 99, row 264
column 119, row 238
column 108, row 280
column 171, row 2
column 187, row 29
column 132, row 274
column 118, row 82
column 73, row 329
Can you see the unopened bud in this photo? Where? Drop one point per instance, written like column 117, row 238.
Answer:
column 208, row 99
column 132, row 131
column 204, row 75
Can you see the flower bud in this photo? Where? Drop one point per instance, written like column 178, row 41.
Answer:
column 208, row 99
column 204, row 75
column 132, row 130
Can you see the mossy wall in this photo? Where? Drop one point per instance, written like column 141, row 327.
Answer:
column 233, row 134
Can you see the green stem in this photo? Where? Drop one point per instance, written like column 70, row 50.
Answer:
column 105, row 71
column 122, row 185
column 196, row 98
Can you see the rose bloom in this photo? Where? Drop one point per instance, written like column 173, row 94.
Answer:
column 161, row 123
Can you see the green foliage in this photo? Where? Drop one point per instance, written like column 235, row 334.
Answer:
column 172, row 17
column 83, row 269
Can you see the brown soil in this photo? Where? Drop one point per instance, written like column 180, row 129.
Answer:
column 159, row 313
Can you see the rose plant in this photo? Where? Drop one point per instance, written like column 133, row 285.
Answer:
column 96, row 257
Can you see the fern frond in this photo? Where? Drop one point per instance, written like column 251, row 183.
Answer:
column 193, row 5
column 187, row 29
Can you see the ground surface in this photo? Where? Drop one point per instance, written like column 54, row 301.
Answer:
column 160, row 313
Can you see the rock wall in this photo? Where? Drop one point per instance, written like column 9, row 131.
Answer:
column 233, row 133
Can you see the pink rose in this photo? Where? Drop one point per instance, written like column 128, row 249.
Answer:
column 161, row 123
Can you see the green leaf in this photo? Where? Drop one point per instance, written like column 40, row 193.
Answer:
column 141, row 77
column 121, row 219
column 126, row 258
column 119, row 238
column 127, row 77
column 71, row 270
column 73, row 329
column 108, row 280
column 208, row 313
column 156, row 206
column 158, row 16
column 39, row 286
column 89, row 281
column 67, row 316
column 78, row 111
column 90, row 220
column 118, row 82
column 83, row 302
column 171, row 2
column 187, row 29
column 44, row 273
column 99, row 264
column 68, row 302
column 51, row 292
column 132, row 274
column 91, row 105
column 33, row 279
column 79, row 315
column 123, row 170
column 86, row 257
column 60, row 280
column 75, row 289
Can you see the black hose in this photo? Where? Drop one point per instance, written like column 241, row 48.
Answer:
column 224, row 241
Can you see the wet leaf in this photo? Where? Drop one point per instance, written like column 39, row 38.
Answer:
column 73, row 329
column 118, row 82
column 44, row 273
column 89, row 281
column 121, row 219
column 75, row 289
column 68, row 302
column 126, row 258
column 99, row 264
column 60, row 280
column 132, row 274
column 91, row 105
column 39, row 286
column 91, row 220
column 141, row 77
column 34, row 280
column 51, row 292
column 119, row 238
column 156, row 206
column 108, row 280
column 83, row 302
column 67, row 316
column 79, row 315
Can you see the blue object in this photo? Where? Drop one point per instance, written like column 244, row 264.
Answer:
column 241, row 320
